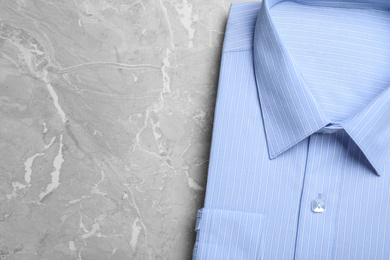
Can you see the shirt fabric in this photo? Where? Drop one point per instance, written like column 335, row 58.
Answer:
column 299, row 160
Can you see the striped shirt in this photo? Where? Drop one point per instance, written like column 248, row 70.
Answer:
column 300, row 154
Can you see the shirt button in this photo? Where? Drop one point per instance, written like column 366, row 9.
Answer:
column 318, row 204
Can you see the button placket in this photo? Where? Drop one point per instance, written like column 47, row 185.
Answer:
column 320, row 184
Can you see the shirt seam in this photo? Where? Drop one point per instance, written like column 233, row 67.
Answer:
column 238, row 50
column 346, row 5
column 264, row 116
column 303, row 193
column 340, row 187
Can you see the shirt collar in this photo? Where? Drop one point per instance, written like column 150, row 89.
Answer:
column 290, row 111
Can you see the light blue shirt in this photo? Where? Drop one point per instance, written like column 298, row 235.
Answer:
column 299, row 161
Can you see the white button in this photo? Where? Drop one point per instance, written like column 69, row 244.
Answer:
column 318, row 204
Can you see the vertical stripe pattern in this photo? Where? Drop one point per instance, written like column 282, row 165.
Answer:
column 303, row 108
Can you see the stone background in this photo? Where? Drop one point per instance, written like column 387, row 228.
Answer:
column 106, row 112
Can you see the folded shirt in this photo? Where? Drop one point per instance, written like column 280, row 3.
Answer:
column 300, row 155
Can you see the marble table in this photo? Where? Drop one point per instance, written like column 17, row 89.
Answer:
column 106, row 113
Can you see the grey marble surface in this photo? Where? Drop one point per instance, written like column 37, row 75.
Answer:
column 106, row 112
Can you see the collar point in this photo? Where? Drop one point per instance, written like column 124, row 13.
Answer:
column 271, row 155
column 378, row 172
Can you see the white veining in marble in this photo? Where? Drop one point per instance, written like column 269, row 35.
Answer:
column 55, row 175
column 27, row 167
column 184, row 9
column 53, row 94
column 106, row 111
